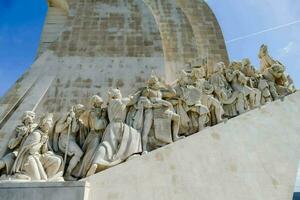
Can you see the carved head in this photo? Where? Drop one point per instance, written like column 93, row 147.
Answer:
column 96, row 101
column 115, row 94
column 246, row 62
column 198, row 73
column 219, row 68
column 153, row 82
column 235, row 65
column 46, row 123
column 28, row 117
column 78, row 110
column 263, row 51
column 277, row 70
column 248, row 69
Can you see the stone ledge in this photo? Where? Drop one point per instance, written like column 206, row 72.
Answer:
column 44, row 190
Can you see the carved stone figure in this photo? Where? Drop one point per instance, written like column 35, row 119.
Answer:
column 239, row 82
column 208, row 99
column 193, row 114
column 22, row 131
column 34, row 160
column 95, row 121
column 66, row 133
column 256, row 82
column 266, row 61
column 120, row 141
column 136, row 112
column 158, row 114
column 160, row 123
column 233, row 101
column 279, row 84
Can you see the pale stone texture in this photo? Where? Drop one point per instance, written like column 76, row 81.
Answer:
column 229, row 161
column 253, row 156
column 97, row 45
column 44, row 191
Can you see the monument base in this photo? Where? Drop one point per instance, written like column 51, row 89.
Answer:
column 44, row 190
column 253, row 156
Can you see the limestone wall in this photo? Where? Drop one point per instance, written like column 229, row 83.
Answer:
column 53, row 27
column 95, row 41
column 178, row 31
column 89, row 46
column 253, row 156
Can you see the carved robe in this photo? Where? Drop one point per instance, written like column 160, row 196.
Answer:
column 233, row 101
column 34, row 161
column 96, row 123
column 22, row 132
column 120, row 141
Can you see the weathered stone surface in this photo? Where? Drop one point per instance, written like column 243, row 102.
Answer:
column 96, row 45
column 91, row 46
column 229, row 161
column 44, row 191
column 179, row 31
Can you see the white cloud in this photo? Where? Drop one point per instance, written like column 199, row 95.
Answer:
column 287, row 49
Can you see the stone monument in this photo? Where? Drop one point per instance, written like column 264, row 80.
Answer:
column 115, row 80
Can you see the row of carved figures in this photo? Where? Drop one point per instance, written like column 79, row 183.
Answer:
column 87, row 141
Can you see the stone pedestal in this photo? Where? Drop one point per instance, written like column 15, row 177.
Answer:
column 44, row 191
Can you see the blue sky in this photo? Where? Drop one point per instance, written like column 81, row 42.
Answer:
column 21, row 23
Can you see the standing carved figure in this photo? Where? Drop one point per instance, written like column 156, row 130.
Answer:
column 266, row 61
column 22, row 131
column 233, row 101
column 161, row 123
column 256, row 82
column 119, row 141
column 279, row 83
column 193, row 114
column 66, row 134
column 239, row 81
column 208, row 99
column 34, row 160
column 95, row 121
